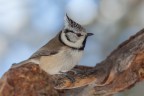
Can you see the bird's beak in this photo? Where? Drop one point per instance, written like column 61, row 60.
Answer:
column 90, row 34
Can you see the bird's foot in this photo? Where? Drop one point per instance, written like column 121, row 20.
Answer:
column 77, row 71
column 68, row 76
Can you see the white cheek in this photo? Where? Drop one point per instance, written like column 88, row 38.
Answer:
column 80, row 41
column 77, row 44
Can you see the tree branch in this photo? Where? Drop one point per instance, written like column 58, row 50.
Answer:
column 119, row 71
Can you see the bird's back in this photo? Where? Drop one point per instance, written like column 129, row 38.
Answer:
column 52, row 47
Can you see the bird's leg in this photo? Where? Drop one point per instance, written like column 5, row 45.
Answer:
column 68, row 76
column 77, row 71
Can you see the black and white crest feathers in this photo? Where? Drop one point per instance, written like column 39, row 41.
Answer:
column 73, row 34
column 70, row 23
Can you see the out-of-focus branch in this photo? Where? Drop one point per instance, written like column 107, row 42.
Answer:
column 119, row 71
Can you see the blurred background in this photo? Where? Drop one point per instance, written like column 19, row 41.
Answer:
column 26, row 25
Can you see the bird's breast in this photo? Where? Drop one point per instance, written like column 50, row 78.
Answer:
column 71, row 59
column 63, row 61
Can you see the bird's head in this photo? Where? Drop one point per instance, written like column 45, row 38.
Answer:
column 73, row 34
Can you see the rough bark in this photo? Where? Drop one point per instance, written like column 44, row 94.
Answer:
column 123, row 68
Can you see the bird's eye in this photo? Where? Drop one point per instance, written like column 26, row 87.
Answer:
column 66, row 31
column 78, row 34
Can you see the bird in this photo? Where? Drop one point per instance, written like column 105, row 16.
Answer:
column 64, row 51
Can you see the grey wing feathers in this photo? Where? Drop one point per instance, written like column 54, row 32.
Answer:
column 43, row 53
column 51, row 48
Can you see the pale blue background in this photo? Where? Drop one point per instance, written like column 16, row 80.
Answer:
column 26, row 25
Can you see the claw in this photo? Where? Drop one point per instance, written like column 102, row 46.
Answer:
column 68, row 76
column 76, row 71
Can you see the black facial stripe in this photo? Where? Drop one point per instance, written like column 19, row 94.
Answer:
column 84, row 43
column 68, row 38
column 78, row 34
column 80, row 49
column 67, row 30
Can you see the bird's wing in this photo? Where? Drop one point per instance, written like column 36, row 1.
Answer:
column 51, row 48
column 43, row 53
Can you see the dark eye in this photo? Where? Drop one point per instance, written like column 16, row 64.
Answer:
column 78, row 34
column 66, row 31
